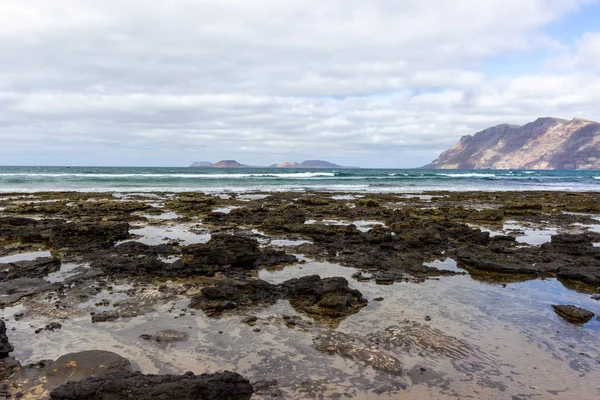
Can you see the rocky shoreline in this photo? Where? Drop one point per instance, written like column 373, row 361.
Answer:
column 109, row 259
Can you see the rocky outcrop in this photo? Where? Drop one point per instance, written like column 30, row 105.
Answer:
column 38, row 268
column 328, row 297
column 137, row 386
column 46, row 375
column 573, row 314
column 15, row 289
column 229, row 254
column 5, row 346
column 103, row 375
column 546, row 143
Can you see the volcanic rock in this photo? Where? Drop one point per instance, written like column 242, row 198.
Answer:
column 5, row 346
column 37, row 268
column 328, row 297
column 573, row 314
column 546, row 143
column 137, row 386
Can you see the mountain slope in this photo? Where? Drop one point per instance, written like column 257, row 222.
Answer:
column 546, row 143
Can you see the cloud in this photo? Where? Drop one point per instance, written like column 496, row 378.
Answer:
column 380, row 83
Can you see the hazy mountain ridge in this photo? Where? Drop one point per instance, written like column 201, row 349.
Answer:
column 284, row 164
column 546, row 143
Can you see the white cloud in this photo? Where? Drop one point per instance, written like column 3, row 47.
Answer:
column 385, row 82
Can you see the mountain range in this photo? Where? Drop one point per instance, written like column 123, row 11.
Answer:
column 284, row 164
column 546, row 143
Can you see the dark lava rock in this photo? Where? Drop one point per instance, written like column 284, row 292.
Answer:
column 37, row 268
column 28, row 230
column 222, row 250
column 5, row 346
column 272, row 258
column 15, row 289
column 81, row 238
column 137, row 386
column 574, row 245
column 573, row 314
column 328, row 297
column 582, row 269
column 77, row 366
column 244, row 293
column 223, row 253
column 51, row 327
column 47, row 375
column 486, row 260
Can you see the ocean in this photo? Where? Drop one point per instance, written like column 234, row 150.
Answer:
column 211, row 180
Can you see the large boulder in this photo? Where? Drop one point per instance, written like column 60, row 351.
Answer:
column 573, row 314
column 46, row 375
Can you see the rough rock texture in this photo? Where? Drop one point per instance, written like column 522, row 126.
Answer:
column 328, row 297
column 573, row 314
column 37, row 268
column 44, row 376
column 83, row 237
column 547, row 143
column 5, row 346
column 137, row 386
column 223, row 253
column 15, row 289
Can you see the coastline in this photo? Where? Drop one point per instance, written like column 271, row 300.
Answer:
column 469, row 276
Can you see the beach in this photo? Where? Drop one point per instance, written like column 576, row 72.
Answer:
column 366, row 292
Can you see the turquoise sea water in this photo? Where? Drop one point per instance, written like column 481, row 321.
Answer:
column 213, row 180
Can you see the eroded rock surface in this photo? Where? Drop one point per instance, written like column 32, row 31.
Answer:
column 37, row 268
column 37, row 380
column 15, row 289
column 5, row 346
column 573, row 314
column 328, row 297
column 137, row 386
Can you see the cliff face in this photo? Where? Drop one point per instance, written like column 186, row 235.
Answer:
column 546, row 143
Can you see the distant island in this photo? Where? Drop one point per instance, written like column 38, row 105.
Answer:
column 546, row 143
column 284, row 164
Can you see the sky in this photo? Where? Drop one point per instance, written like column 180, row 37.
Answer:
column 379, row 83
